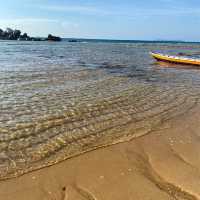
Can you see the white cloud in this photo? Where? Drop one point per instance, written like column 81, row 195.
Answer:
column 66, row 24
column 70, row 8
column 20, row 21
column 77, row 9
column 123, row 12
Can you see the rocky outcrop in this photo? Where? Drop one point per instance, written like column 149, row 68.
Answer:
column 53, row 38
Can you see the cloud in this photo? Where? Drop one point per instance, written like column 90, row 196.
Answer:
column 123, row 12
column 70, row 8
column 20, row 21
column 77, row 9
column 171, row 12
column 67, row 25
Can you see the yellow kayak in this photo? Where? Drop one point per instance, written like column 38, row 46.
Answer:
column 175, row 59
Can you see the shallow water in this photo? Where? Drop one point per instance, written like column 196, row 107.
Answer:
column 61, row 99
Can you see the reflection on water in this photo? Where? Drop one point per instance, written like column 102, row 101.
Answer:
column 61, row 99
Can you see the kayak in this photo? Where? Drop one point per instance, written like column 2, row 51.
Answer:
column 175, row 59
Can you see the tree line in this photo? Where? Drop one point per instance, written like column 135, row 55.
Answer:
column 10, row 34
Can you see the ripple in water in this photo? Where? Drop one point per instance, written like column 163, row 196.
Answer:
column 60, row 100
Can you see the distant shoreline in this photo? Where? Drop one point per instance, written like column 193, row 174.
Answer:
column 80, row 40
column 128, row 41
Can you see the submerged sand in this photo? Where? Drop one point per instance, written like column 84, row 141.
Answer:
column 164, row 164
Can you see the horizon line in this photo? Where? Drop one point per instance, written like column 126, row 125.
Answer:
column 136, row 40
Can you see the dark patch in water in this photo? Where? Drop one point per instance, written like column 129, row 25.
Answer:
column 108, row 65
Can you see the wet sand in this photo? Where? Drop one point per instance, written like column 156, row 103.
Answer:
column 164, row 164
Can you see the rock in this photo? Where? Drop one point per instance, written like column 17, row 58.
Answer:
column 73, row 40
column 53, row 38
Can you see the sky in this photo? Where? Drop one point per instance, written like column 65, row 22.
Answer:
column 105, row 19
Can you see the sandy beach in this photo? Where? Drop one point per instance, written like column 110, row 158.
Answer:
column 164, row 164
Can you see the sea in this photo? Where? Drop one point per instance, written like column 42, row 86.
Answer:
column 61, row 99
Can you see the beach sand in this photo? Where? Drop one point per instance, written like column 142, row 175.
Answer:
column 162, row 165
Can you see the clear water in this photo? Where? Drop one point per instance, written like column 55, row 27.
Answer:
column 61, row 99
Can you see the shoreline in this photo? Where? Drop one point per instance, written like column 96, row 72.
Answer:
column 166, row 169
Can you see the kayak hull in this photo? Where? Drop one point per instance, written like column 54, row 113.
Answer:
column 175, row 59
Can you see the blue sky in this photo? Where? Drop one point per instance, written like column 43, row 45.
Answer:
column 111, row 19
